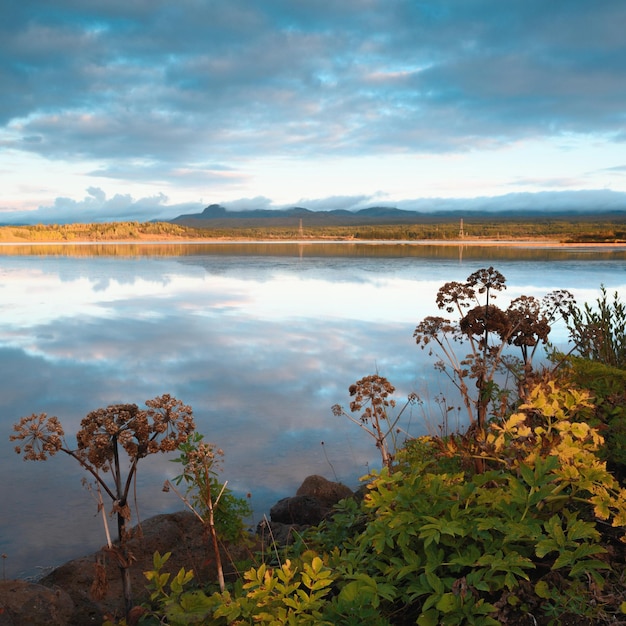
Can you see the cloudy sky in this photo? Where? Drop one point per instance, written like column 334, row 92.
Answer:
column 142, row 109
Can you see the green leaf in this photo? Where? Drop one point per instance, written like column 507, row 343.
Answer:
column 528, row 475
column 435, row 583
column 159, row 561
column 431, row 618
column 542, row 589
column 447, row 603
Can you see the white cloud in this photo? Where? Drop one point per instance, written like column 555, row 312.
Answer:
column 200, row 99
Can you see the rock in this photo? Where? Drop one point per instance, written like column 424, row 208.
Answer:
column 301, row 510
column 64, row 596
column 22, row 602
column 312, row 503
column 180, row 533
column 326, row 491
column 276, row 533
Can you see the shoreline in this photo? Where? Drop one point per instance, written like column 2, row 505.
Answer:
column 504, row 243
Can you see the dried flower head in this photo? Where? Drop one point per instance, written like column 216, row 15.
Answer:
column 102, row 429
column 371, row 393
column 161, row 428
column 42, row 436
column 171, row 419
column 205, row 457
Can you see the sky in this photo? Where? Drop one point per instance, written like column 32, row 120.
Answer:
column 148, row 109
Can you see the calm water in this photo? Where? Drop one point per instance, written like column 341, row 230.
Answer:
column 261, row 340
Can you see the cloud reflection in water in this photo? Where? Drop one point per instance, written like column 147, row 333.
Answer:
column 261, row 347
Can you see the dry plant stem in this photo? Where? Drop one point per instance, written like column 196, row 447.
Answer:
column 269, row 528
column 104, row 518
column 188, row 504
column 211, row 525
column 121, row 522
column 458, row 381
column 216, row 548
column 124, row 562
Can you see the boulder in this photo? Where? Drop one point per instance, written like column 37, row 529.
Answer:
column 180, row 533
column 276, row 533
column 313, row 501
column 22, row 602
column 300, row 510
column 327, row 492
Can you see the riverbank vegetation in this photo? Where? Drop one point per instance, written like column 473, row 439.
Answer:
column 567, row 229
column 518, row 520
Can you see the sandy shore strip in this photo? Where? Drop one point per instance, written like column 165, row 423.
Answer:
column 504, row 243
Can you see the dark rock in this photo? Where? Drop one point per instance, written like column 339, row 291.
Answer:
column 278, row 534
column 180, row 533
column 324, row 490
column 302, row 510
column 65, row 595
column 313, row 501
column 22, row 603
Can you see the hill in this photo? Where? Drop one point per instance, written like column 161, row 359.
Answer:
column 216, row 216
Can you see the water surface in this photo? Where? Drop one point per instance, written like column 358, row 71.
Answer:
column 260, row 339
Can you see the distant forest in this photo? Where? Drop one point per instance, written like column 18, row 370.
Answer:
column 570, row 229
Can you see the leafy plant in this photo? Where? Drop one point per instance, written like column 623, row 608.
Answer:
column 443, row 546
column 294, row 593
column 104, row 435
column 607, row 386
column 599, row 334
column 218, row 508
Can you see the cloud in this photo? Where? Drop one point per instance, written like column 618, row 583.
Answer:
column 150, row 81
column 203, row 99
column 576, row 200
column 333, row 203
column 96, row 207
column 246, row 204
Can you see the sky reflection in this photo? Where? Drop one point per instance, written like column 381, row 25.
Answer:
column 261, row 347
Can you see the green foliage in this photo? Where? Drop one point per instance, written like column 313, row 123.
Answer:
column 454, row 546
column 200, row 464
column 607, row 386
column 172, row 601
column 599, row 333
column 460, row 548
column 292, row 594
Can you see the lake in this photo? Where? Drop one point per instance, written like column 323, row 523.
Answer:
column 260, row 339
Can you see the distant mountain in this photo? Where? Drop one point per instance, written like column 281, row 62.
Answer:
column 216, row 216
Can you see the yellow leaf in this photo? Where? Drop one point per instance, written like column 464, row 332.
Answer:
column 580, row 430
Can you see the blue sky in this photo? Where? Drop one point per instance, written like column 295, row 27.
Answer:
column 143, row 109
